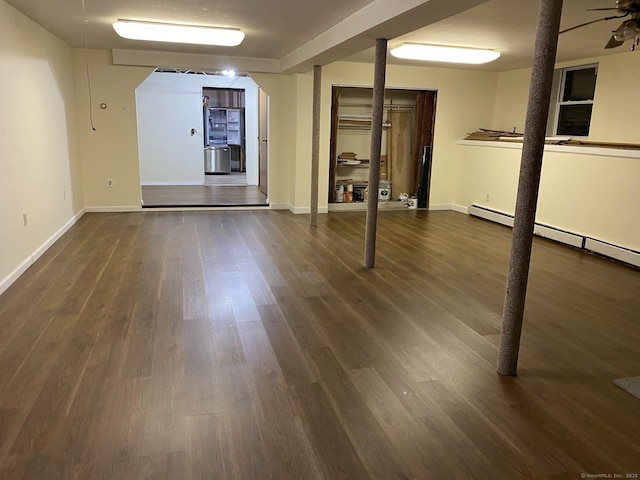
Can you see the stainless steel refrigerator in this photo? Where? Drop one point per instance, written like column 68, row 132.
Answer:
column 223, row 138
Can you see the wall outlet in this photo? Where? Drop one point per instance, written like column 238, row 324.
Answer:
column 487, row 198
column 24, row 218
column 109, row 183
column 64, row 194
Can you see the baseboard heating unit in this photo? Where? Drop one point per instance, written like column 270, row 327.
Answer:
column 605, row 249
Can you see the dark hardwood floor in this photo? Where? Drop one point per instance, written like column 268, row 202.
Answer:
column 248, row 345
column 202, row 196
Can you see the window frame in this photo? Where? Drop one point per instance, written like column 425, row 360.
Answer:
column 559, row 102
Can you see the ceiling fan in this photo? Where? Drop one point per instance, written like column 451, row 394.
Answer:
column 629, row 29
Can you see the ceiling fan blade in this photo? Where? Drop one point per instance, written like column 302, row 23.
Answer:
column 593, row 21
column 613, row 43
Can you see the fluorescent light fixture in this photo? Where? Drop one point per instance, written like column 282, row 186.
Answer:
column 169, row 32
column 441, row 53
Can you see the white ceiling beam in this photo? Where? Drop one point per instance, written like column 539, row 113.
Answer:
column 145, row 58
column 380, row 19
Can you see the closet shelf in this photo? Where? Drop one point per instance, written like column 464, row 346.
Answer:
column 358, row 122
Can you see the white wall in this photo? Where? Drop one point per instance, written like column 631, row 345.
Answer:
column 465, row 101
column 169, row 105
column 111, row 151
column 41, row 172
column 281, row 90
column 592, row 195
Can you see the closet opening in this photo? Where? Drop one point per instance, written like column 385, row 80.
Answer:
column 407, row 142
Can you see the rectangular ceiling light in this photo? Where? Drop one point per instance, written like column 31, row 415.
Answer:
column 441, row 53
column 168, row 32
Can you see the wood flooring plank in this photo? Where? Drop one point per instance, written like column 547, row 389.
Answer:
column 208, row 453
column 241, row 410
column 118, row 319
column 284, row 440
column 164, row 426
column 14, row 466
column 619, row 452
column 396, row 421
column 14, row 355
column 47, row 282
column 49, row 412
column 336, row 454
column 44, row 465
column 495, row 444
column 203, row 394
column 165, row 417
column 195, row 305
column 86, row 415
column 374, row 447
column 143, row 321
column 291, row 359
column 302, row 327
column 24, row 387
column 176, row 466
column 341, row 328
column 117, row 453
column 202, row 196
column 256, row 283
column 95, row 411
column 88, row 278
column 242, row 303
column 226, row 344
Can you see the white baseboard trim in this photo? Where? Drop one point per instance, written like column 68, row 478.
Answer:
column 613, row 251
column 559, row 235
column 362, row 206
column 6, row 282
column 306, row 210
column 582, row 242
column 280, row 206
column 460, row 209
column 113, row 209
column 492, row 215
column 438, row 207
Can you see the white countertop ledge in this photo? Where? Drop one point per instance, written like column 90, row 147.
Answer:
column 599, row 151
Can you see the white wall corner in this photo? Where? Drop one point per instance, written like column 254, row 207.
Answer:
column 281, row 206
column 460, row 208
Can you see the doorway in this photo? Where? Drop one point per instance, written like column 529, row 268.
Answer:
column 173, row 137
column 407, row 139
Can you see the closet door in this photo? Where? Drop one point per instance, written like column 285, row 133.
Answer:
column 425, row 120
column 263, row 138
column 401, row 152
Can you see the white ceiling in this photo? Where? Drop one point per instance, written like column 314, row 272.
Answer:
column 299, row 33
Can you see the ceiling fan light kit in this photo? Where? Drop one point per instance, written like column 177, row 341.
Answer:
column 176, row 33
column 443, row 53
column 628, row 29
